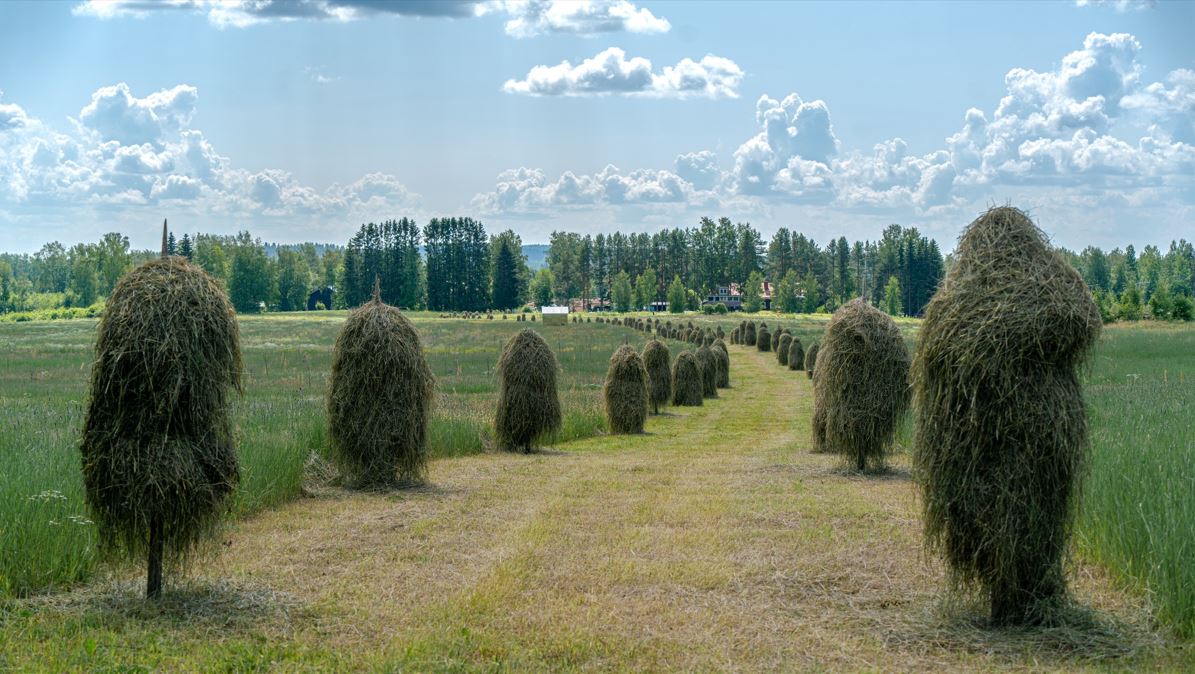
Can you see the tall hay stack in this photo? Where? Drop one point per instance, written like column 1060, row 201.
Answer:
column 1001, row 440
column 782, row 347
column 796, row 355
column 659, row 373
column 734, row 336
column 763, row 339
column 687, row 384
column 861, row 384
column 709, row 372
column 750, row 334
column 811, row 360
column 625, row 392
column 158, row 451
column 776, row 338
column 528, row 402
column 380, row 396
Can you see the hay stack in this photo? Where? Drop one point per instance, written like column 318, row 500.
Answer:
column 811, row 360
column 782, row 348
column 796, row 355
column 1001, row 439
column 861, row 384
column 763, row 340
column 626, row 391
column 734, row 336
column 158, row 449
column 776, row 338
column 528, row 403
column 659, row 374
column 686, row 380
column 709, row 371
column 719, row 349
column 750, row 334
column 379, row 398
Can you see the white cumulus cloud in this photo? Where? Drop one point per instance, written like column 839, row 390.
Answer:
column 130, row 150
column 1074, row 129
column 529, row 18
column 526, row 18
column 612, row 73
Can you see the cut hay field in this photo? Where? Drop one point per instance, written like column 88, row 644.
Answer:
column 717, row 541
column 45, row 540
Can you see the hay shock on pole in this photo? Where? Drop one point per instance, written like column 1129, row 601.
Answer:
column 158, row 455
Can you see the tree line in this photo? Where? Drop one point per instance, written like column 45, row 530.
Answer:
column 1128, row 286
column 804, row 275
column 453, row 264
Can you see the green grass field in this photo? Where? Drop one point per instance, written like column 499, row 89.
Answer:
column 1136, row 526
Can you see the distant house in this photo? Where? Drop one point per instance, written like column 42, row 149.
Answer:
column 578, row 305
column 554, row 315
column 656, row 307
column 728, row 295
column 732, row 296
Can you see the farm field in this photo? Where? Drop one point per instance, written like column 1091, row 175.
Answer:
column 715, row 540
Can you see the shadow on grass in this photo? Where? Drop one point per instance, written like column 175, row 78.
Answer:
column 884, row 473
column 226, row 605
column 1075, row 635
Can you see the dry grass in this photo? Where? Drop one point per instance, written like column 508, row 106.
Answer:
column 668, row 551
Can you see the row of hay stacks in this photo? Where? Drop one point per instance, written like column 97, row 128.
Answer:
column 1000, row 428
column 158, row 453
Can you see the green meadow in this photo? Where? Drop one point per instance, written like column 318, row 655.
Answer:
column 1136, row 524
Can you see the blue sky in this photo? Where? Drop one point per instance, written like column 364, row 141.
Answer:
column 301, row 120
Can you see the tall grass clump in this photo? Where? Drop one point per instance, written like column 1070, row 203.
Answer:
column 709, row 372
column 659, row 373
column 158, row 449
column 1138, row 514
column 379, row 398
column 687, row 384
column 796, row 355
column 625, row 392
column 528, row 402
column 861, row 386
column 782, row 348
column 1001, row 438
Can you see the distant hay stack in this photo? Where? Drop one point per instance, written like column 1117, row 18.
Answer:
column 626, row 391
column 1001, row 439
column 782, row 347
column 379, row 399
column 659, row 373
column 763, row 339
column 709, row 372
column 158, row 451
column 719, row 349
column 861, row 384
column 796, row 355
column 686, row 380
column 750, row 334
column 528, row 402
column 811, row 360
column 776, row 338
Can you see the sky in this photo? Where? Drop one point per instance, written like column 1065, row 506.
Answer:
column 301, row 120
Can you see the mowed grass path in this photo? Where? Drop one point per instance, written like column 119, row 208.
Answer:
column 715, row 542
